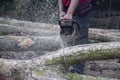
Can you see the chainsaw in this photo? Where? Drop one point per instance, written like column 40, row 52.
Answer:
column 69, row 31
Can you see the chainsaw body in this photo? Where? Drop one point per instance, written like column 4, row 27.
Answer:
column 70, row 31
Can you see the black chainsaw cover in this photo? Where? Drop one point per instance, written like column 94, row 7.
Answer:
column 66, row 30
column 70, row 32
column 66, row 27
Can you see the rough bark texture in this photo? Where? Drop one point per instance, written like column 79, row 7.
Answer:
column 26, row 43
column 105, row 35
column 86, row 52
column 26, row 57
column 14, row 22
column 21, row 55
column 101, row 22
column 23, row 31
column 35, row 69
column 100, row 34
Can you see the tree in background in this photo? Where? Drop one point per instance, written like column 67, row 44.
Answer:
column 104, row 4
column 9, row 5
column 47, row 10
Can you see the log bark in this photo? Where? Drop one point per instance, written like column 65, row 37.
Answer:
column 11, row 43
column 26, row 43
column 94, row 23
column 104, row 34
column 43, row 73
column 14, row 43
column 98, row 34
column 22, row 31
column 35, row 68
column 21, row 55
column 28, row 24
column 98, row 51
column 52, row 63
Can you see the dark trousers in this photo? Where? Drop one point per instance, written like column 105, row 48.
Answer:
column 83, row 22
column 83, row 38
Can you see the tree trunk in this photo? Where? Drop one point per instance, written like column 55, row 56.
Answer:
column 35, row 69
column 21, row 55
column 105, row 35
column 94, row 23
column 26, row 43
column 23, row 31
column 98, row 51
column 17, row 43
column 100, row 34
column 14, row 22
column 16, row 62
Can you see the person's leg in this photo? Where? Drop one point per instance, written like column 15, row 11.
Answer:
column 84, row 25
column 83, row 38
column 77, row 68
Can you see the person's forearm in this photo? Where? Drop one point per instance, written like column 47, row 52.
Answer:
column 60, row 5
column 72, row 6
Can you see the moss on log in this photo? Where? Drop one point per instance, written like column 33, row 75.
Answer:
column 79, row 53
column 89, row 56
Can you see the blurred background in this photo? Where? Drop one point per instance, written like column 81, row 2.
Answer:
column 105, row 13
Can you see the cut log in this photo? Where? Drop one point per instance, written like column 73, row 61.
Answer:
column 34, row 31
column 17, row 43
column 35, row 68
column 51, row 65
column 26, row 43
column 21, row 55
column 43, row 73
column 94, row 23
column 104, row 34
column 28, row 24
column 98, row 34
column 98, row 51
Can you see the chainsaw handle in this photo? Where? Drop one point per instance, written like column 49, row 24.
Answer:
column 69, row 27
column 69, row 21
column 75, row 22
